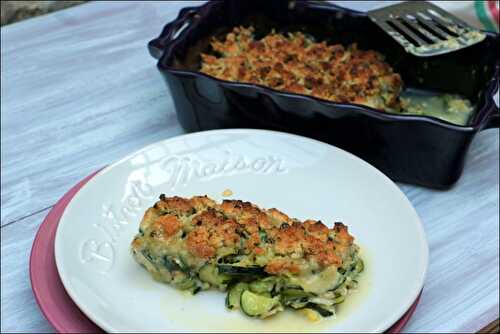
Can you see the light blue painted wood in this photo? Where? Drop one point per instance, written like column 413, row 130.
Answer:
column 20, row 312
column 79, row 91
column 461, row 291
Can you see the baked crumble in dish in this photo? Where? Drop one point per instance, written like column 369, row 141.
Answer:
column 265, row 260
column 296, row 63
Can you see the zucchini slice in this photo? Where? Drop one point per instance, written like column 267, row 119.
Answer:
column 340, row 280
column 174, row 264
column 321, row 310
column 339, row 300
column 295, row 298
column 360, row 266
column 209, row 273
column 263, row 286
column 255, row 305
column 234, row 295
column 296, row 294
column 297, row 305
column 241, row 271
column 185, row 284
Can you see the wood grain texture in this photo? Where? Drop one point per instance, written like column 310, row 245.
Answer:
column 462, row 227
column 20, row 312
column 79, row 91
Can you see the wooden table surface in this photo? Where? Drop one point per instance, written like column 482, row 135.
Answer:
column 79, row 91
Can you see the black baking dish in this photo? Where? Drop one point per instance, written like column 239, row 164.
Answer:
column 412, row 149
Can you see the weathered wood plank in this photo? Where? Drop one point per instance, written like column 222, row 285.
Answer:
column 20, row 312
column 79, row 90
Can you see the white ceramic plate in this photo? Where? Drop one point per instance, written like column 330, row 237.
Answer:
column 302, row 177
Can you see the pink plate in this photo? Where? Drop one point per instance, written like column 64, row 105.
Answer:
column 56, row 305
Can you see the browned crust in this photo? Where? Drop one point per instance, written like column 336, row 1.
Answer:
column 206, row 227
column 296, row 64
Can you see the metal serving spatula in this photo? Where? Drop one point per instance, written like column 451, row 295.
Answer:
column 425, row 29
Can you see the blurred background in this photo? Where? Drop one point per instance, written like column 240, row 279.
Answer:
column 13, row 11
column 473, row 12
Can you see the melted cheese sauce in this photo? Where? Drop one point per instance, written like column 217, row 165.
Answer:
column 318, row 283
column 451, row 108
column 199, row 318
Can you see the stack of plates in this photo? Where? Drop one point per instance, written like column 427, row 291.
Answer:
column 85, row 279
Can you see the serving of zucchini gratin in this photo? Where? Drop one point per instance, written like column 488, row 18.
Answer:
column 264, row 259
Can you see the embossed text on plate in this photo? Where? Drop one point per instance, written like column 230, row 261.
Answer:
column 182, row 169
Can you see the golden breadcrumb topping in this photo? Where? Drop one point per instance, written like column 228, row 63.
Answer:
column 208, row 232
column 297, row 64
